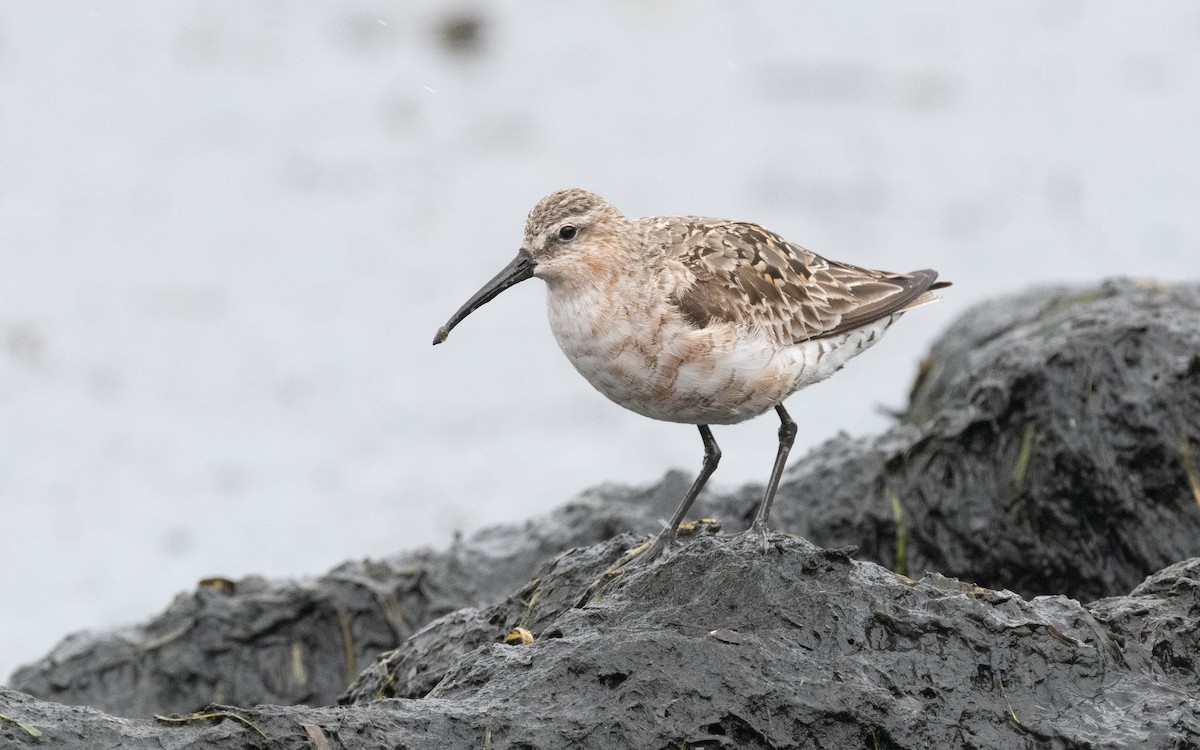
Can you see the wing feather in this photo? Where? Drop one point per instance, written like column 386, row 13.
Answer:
column 741, row 273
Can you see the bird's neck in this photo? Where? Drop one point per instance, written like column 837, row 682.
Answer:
column 596, row 294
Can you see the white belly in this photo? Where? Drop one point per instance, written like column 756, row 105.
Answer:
column 660, row 367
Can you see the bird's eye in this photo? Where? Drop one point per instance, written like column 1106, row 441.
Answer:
column 567, row 232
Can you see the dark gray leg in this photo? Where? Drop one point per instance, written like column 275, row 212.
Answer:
column 787, row 436
column 712, row 457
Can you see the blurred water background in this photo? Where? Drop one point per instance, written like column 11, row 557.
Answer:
column 229, row 230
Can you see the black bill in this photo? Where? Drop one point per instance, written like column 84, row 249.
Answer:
column 518, row 270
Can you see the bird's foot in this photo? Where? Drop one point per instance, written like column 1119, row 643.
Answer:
column 757, row 533
column 645, row 553
column 637, row 557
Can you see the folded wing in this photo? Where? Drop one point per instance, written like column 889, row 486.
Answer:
column 741, row 273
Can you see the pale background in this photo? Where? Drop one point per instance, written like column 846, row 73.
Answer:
column 229, row 230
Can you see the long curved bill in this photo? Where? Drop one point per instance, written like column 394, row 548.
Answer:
column 518, row 270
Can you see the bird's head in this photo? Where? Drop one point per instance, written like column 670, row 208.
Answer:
column 571, row 236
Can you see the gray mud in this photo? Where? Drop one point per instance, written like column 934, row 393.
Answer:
column 1051, row 448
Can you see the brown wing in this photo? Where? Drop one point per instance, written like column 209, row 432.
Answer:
column 741, row 273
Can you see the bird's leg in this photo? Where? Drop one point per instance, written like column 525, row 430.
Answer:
column 712, row 456
column 787, row 435
column 650, row 550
